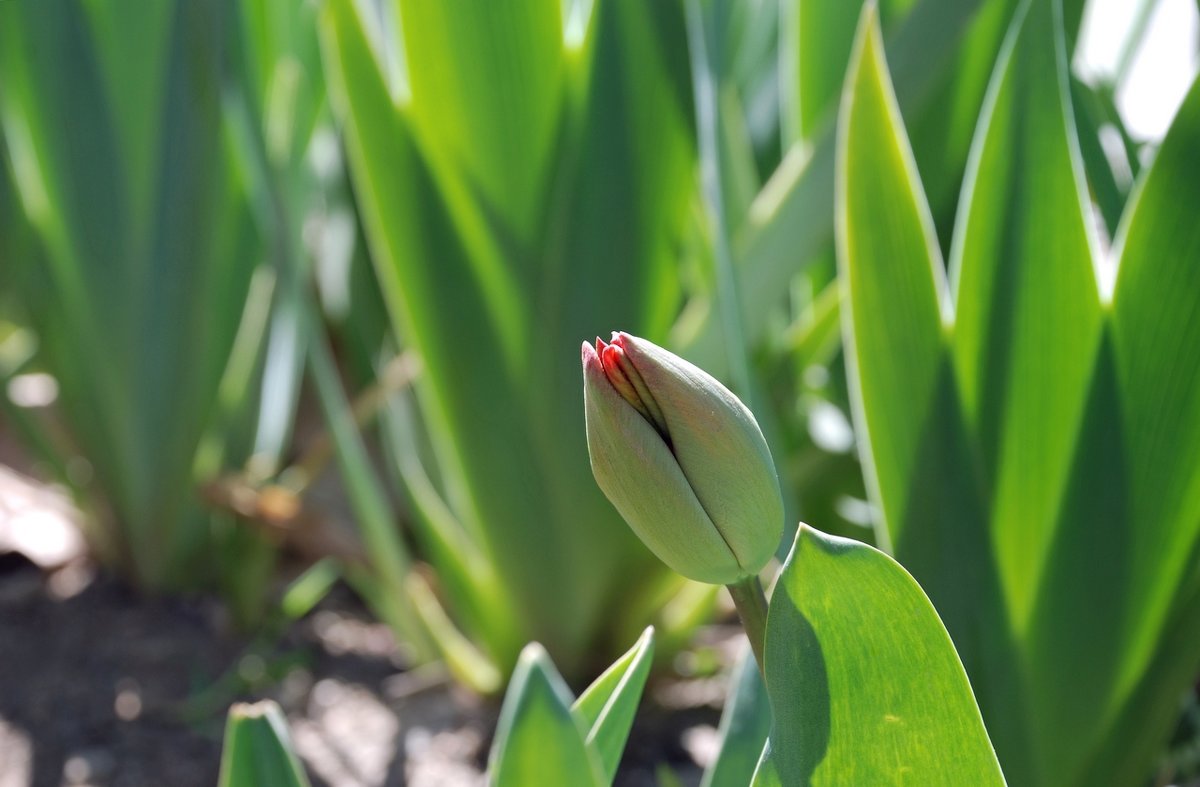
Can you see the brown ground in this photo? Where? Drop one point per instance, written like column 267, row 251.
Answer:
column 107, row 687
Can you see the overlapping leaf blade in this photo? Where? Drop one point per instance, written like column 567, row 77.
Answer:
column 488, row 87
column 791, row 220
column 125, row 174
column 864, row 681
column 1026, row 303
column 407, row 225
column 608, row 706
column 1156, row 344
column 539, row 738
column 1055, row 527
column 483, row 244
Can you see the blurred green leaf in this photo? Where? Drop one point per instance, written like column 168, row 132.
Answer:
column 366, row 496
column 791, row 220
column 385, row 132
column 815, row 44
column 510, row 87
column 122, row 162
column 863, row 678
column 482, row 240
column 308, row 589
column 1109, row 190
column 745, row 723
column 258, row 750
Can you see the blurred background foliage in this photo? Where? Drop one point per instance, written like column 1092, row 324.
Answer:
column 243, row 241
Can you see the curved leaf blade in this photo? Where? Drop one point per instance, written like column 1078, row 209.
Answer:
column 258, row 749
column 539, row 739
column 608, row 706
column 864, row 681
column 892, row 277
column 1156, row 336
column 1027, row 306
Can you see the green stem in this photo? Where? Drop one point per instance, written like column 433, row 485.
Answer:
column 751, row 603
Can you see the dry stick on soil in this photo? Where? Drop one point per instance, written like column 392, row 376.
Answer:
column 278, row 509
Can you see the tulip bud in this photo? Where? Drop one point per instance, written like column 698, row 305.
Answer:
column 682, row 459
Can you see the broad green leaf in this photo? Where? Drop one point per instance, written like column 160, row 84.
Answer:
column 124, row 169
column 1058, row 461
column 468, row 281
column 917, row 454
column 892, row 274
column 865, row 685
column 1027, row 310
column 133, row 51
column 488, row 88
column 539, row 739
column 608, row 706
column 401, row 209
column 258, row 750
column 1156, row 336
column 745, row 723
column 1026, row 300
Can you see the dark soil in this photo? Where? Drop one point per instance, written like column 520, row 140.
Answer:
column 108, row 687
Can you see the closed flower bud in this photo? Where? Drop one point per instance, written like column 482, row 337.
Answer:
column 682, row 459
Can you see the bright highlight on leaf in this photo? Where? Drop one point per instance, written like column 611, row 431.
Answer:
column 1030, row 445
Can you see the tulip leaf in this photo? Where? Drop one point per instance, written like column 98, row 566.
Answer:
column 892, row 273
column 482, row 242
column 745, row 723
column 766, row 774
column 904, row 392
column 380, row 144
column 513, row 85
column 818, row 37
column 864, row 681
column 792, row 219
column 539, row 738
column 1055, row 526
column 1016, row 323
column 127, row 177
column 258, row 750
column 1156, row 337
column 608, row 706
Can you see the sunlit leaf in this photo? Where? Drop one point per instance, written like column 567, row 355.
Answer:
column 539, row 739
column 864, row 682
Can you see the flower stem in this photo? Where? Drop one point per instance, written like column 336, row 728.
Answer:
column 751, row 603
